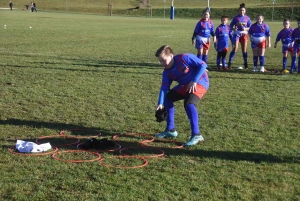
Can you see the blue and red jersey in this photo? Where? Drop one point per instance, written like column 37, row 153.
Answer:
column 240, row 22
column 186, row 68
column 223, row 33
column 259, row 30
column 296, row 35
column 285, row 35
column 204, row 28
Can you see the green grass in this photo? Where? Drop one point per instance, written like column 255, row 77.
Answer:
column 96, row 6
column 99, row 73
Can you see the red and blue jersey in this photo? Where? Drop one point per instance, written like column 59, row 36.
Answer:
column 240, row 22
column 222, row 34
column 204, row 28
column 285, row 35
column 259, row 30
column 186, row 68
column 296, row 35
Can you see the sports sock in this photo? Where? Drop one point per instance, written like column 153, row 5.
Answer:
column 218, row 58
column 262, row 60
column 284, row 60
column 231, row 56
column 192, row 114
column 255, row 58
column 199, row 56
column 169, row 105
column 293, row 64
column 223, row 58
column 245, row 56
column 204, row 58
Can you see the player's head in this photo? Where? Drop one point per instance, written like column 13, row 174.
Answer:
column 165, row 56
column 206, row 14
column 259, row 18
column 242, row 9
column 224, row 19
column 286, row 23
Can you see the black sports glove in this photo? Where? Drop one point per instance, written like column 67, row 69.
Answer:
column 161, row 115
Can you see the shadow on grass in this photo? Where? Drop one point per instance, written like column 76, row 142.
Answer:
column 101, row 66
column 242, row 156
column 168, row 151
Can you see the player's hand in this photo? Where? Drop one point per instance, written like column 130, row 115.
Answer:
column 193, row 42
column 159, row 107
column 215, row 45
column 191, row 88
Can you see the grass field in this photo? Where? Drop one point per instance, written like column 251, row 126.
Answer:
column 98, row 73
column 96, row 6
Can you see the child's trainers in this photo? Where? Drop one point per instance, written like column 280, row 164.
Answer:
column 194, row 140
column 167, row 134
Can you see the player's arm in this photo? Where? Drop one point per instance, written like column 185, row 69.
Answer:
column 268, row 34
column 201, row 67
column 194, row 38
column 278, row 38
column 217, row 37
column 165, row 87
column 212, row 33
column 196, row 30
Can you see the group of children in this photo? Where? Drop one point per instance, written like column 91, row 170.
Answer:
column 190, row 72
column 239, row 30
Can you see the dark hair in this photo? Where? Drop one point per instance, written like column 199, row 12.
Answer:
column 224, row 16
column 165, row 49
column 242, row 5
column 206, row 10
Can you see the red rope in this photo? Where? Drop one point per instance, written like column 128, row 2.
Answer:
column 149, row 156
column 80, row 129
column 150, row 138
column 179, row 144
column 32, row 154
column 136, row 166
column 76, row 161
column 60, row 136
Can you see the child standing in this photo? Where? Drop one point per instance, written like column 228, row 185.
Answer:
column 240, row 24
column 204, row 28
column 285, row 35
column 190, row 73
column 223, row 33
column 259, row 33
column 296, row 52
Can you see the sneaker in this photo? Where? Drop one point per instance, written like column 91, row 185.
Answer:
column 218, row 68
column 194, row 140
column 225, row 68
column 254, row 69
column 285, row 71
column 246, row 65
column 262, row 69
column 167, row 134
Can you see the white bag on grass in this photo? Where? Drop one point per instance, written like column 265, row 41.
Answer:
column 31, row 147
